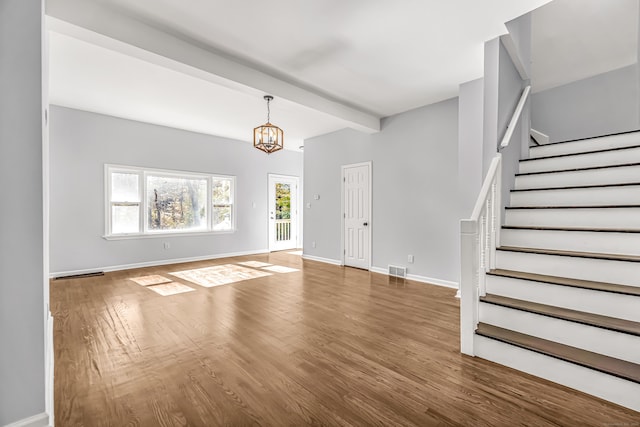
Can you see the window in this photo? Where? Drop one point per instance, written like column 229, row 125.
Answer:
column 176, row 203
column 146, row 202
column 222, row 204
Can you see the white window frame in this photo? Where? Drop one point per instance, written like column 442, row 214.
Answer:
column 143, row 173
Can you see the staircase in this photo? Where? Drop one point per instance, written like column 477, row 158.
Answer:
column 561, row 299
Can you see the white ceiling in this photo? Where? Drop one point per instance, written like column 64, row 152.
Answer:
column 93, row 78
column 576, row 39
column 356, row 60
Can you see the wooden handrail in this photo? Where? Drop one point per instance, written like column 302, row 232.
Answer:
column 515, row 118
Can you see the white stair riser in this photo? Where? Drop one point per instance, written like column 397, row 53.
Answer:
column 598, row 340
column 608, row 218
column 596, row 302
column 618, row 175
column 598, row 196
column 597, row 270
column 587, row 380
column 586, row 145
column 631, row 155
column 579, row 241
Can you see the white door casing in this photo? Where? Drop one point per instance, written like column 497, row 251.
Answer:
column 283, row 233
column 356, row 230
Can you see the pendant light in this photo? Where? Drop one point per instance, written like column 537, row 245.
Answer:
column 268, row 138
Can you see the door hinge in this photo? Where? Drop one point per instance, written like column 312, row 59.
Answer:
column 344, row 179
column 344, row 215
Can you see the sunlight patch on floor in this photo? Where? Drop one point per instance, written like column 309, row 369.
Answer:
column 171, row 288
column 255, row 264
column 154, row 279
column 209, row 277
column 280, row 269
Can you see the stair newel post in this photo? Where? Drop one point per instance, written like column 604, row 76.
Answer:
column 476, row 251
column 469, row 278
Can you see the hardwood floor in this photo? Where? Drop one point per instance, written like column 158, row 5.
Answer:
column 321, row 346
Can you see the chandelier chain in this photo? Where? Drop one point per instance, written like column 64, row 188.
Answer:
column 268, row 111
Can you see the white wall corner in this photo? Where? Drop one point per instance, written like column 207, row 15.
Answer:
column 49, row 368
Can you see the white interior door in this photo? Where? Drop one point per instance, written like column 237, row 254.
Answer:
column 357, row 231
column 283, row 212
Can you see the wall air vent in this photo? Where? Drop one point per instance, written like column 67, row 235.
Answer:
column 397, row 271
column 80, row 276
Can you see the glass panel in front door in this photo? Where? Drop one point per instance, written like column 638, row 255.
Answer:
column 283, row 212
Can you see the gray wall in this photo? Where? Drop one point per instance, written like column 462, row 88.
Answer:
column 599, row 105
column 323, row 157
column 503, row 88
column 22, row 358
column 415, row 191
column 510, row 89
column 520, row 31
column 415, row 206
column 81, row 144
column 470, row 144
column 491, row 89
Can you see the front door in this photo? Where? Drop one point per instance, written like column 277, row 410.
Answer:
column 357, row 197
column 283, row 212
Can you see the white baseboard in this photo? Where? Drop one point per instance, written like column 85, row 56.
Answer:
column 40, row 420
column 156, row 263
column 320, row 259
column 379, row 270
column 422, row 279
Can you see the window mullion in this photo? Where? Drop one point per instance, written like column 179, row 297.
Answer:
column 142, row 190
column 210, row 209
column 108, row 205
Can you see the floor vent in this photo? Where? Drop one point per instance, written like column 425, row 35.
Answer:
column 396, row 271
column 80, row 276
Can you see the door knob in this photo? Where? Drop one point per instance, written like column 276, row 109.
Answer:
column 365, row 224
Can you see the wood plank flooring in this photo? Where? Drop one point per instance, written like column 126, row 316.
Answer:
column 321, row 346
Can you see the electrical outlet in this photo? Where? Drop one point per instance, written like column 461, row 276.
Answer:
column 410, row 259
column 313, row 244
column 167, row 245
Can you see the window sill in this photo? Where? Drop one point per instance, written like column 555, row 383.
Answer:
column 165, row 235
